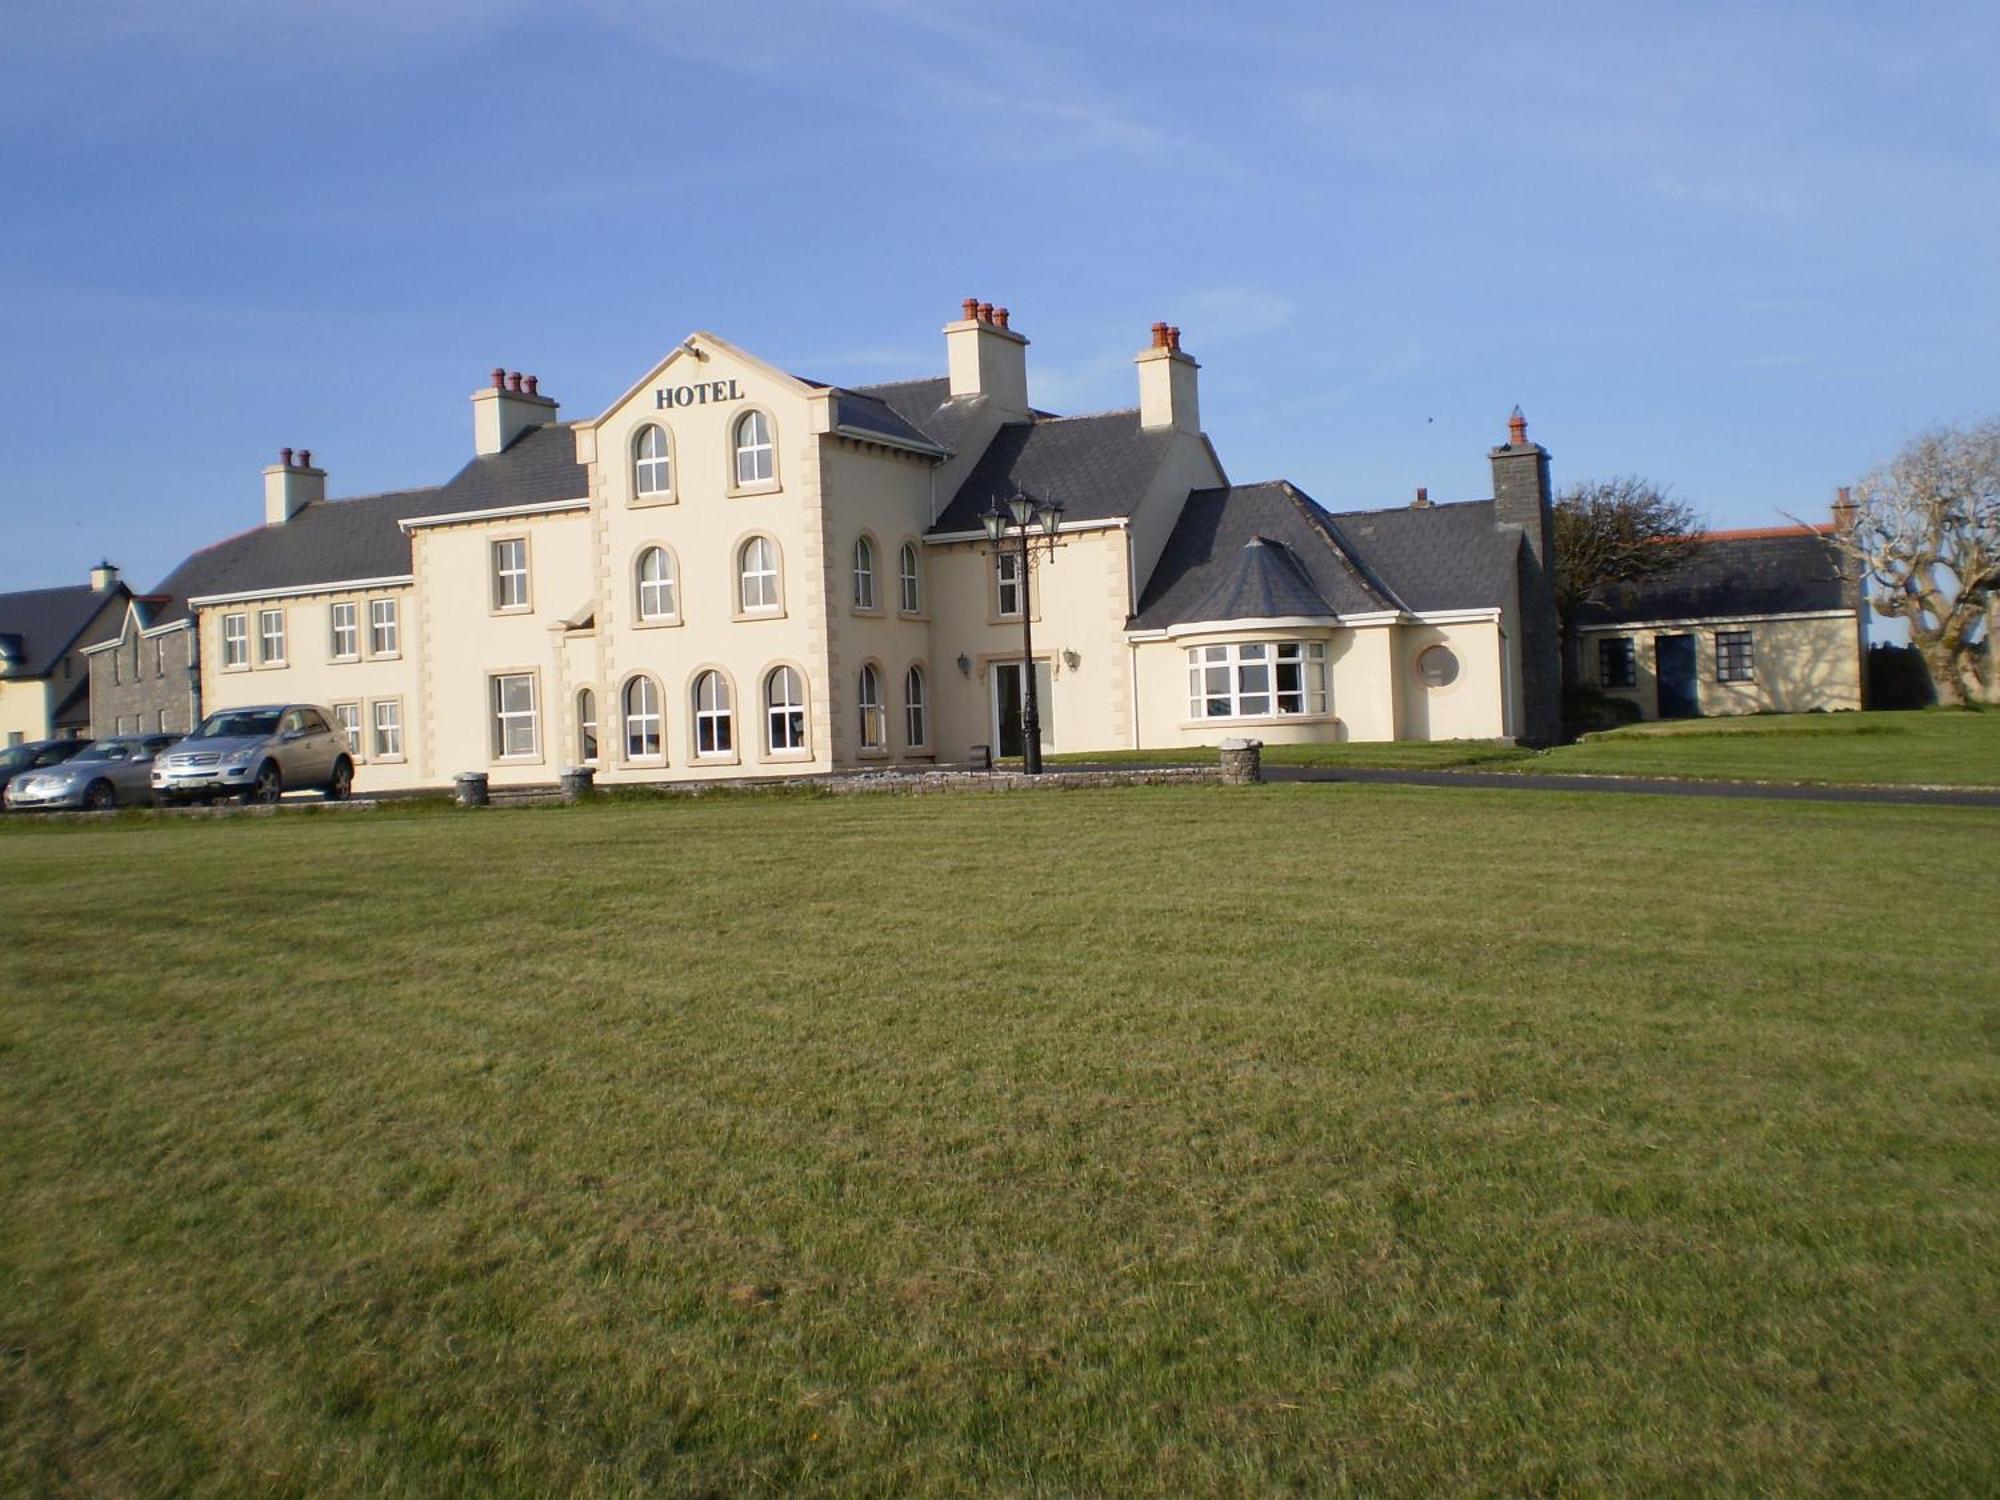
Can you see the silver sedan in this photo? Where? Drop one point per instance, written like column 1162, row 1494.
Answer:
column 104, row 774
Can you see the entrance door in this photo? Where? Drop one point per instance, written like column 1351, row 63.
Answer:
column 1673, row 657
column 1010, row 706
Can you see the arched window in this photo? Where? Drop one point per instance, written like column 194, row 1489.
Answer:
column 713, row 726
column 864, row 573
column 911, row 598
column 784, row 710
column 757, row 575
column 753, row 449
column 874, row 719
column 642, row 718
column 586, row 727
column 915, row 730
column 652, row 464
column 657, row 595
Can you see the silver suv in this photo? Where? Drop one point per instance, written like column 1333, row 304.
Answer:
column 257, row 754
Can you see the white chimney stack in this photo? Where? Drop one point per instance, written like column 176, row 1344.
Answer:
column 988, row 358
column 506, row 409
column 290, row 485
column 1167, row 391
column 102, row 577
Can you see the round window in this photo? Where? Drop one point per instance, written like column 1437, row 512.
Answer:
column 1437, row 667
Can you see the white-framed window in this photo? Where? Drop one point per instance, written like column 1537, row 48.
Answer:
column 753, row 449
column 1007, row 584
column 714, row 723
column 347, row 719
column 510, row 573
column 784, row 710
column 658, row 597
column 385, row 630
column 916, row 733
column 1256, row 679
column 864, row 573
column 270, row 637
column 642, row 719
column 874, row 717
column 757, row 575
column 514, row 735
column 909, row 582
column 387, row 743
column 586, row 726
column 236, row 640
column 652, row 463
column 344, row 620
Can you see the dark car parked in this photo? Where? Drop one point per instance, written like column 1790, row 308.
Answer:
column 105, row 773
column 34, row 755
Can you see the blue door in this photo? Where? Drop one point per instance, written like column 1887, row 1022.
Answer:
column 1673, row 657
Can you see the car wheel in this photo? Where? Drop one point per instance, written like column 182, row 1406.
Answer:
column 99, row 797
column 269, row 786
column 342, row 782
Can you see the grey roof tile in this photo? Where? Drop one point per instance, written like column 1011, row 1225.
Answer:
column 1098, row 466
column 333, row 541
column 870, row 415
column 44, row 623
column 1202, row 562
column 929, row 406
column 1268, row 582
column 1439, row 556
column 1777, row 572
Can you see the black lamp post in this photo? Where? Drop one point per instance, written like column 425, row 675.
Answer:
column 1025, row 516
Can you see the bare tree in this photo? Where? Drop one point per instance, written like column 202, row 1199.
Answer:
column 1612, row 531
column 1925, row 530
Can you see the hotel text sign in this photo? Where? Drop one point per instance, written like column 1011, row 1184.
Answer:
column 696, row 395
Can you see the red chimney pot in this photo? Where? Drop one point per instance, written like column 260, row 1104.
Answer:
column 1517, row 429
column 529, row 382
column 285, row 457
column 305, row 458
column 1159, row 335
column 514, row 380
column 971, row 309
column 1000, row 316
column 986, row 312
column 499, row 379
column 1174, row 339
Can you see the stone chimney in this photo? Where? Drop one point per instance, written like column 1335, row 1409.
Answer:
column 987, row 358
column 1168, row 396
column 1521, row 498
column 1844, row 509
column 102, row 577
column 290, row 485
column 1423, row 500
column 506, row 409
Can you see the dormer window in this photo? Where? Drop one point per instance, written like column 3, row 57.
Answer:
column 652, row 463
column 753, row 449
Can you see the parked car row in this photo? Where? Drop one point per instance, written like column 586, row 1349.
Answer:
column 254, row 754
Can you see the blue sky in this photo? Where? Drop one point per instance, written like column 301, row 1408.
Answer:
column 1742, row 250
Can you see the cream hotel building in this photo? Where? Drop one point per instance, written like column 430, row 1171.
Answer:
column 734, row 572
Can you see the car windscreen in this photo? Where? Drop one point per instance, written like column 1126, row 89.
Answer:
column 238, row 723
column 15, row 758
column 105, row 750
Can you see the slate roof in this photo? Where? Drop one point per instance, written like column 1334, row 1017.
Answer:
column 928, row 406
column 41, row 624
column 1436, row 557
column 867, row 413
column 1778, row 572
column 1202, row 569
column 333, row 541
column 1098, row 466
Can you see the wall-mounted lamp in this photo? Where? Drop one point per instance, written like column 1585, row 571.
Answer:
column 1072, row 660
column 964, row 665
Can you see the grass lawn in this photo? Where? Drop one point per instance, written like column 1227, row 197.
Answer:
column 1153, row 1140
column 1949, row 747
column 1934, row 748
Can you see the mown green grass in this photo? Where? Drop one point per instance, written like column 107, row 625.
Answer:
column 1150, row 1140
column 1939, row 747
column 1934, row 748
column 1401, row 755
